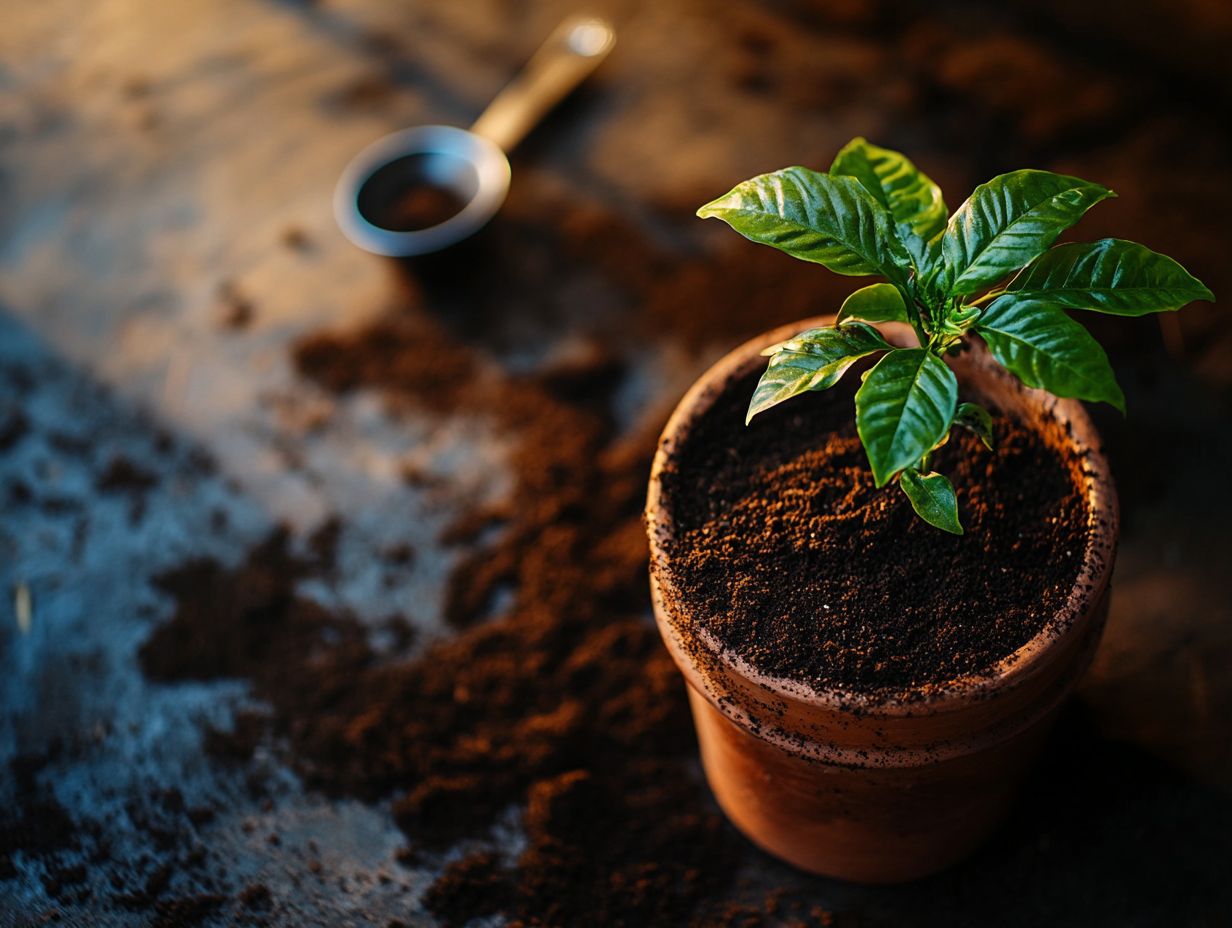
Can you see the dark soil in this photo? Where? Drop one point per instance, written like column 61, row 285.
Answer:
column 787, row 552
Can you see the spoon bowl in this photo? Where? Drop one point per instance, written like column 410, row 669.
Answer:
column 467, row 166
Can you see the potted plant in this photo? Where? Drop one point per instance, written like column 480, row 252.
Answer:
column 871, row 670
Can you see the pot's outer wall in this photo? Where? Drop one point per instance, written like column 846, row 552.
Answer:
column 890, row 788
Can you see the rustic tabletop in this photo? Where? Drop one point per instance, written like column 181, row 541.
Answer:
column 392, row 710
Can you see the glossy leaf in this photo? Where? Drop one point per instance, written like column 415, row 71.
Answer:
column 832, row 221
column 936, row 277
column 875, row 303
column 933, row 499
column 975, row 418
column 903, row 409
column 912, row 198
column 1011, row 219
column 1048, row 350
column 1109, row 276
column 813, row 360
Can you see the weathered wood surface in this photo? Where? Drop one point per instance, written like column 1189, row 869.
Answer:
column 155, row 158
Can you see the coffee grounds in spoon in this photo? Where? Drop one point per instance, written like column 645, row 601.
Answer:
column 420, row 207
column 412, row 193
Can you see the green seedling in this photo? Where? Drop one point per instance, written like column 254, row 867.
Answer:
column 988, row 269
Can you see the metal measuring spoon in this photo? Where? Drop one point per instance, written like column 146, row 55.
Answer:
column 469, row 165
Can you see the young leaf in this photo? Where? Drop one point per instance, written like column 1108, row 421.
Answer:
column 958, row 319
column 1048, row 350
column 975, row 418
column 1011, row 219
column 875, row 303
column 1109, row 276
column 813, row 360
column 903, row 408
column 832, row 221
column 933, row 499
column 908, row 193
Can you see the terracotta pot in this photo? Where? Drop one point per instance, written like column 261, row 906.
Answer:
column 866, row 788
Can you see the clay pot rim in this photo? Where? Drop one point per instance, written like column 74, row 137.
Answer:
column 1012, row 670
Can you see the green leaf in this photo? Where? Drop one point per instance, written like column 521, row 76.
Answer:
column 908, row 193
column 813, row 360
column 1109, row 276
column 933, row 499
column 875, row 303
column 936, row 277
column 903, row 408
column 977, row 419
column 832, row 221
column 1011, row 219
column 1048, row 350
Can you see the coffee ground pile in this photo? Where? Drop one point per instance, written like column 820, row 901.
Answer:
column 565, row 707
column 787, row 552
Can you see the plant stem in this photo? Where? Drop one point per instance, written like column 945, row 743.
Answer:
column 990, row 295
column 913, row 313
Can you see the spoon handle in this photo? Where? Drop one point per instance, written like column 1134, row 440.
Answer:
column 571, row 52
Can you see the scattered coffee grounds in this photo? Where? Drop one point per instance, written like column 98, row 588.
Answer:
column 580, row 720
column 788, row 553
column 185, row 911
column 399, row 555
column 240, row 742
column 35, row 823
column 467, row 886
column 323, row 542
column 556, row 697
column 13, row 427
column 73, row 445
column 367, row 92
column 122, row 475
column 235, row 310
column 255, row 896
column 566, row 705
column 296, row 238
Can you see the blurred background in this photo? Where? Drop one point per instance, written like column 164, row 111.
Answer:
column 323, row 585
